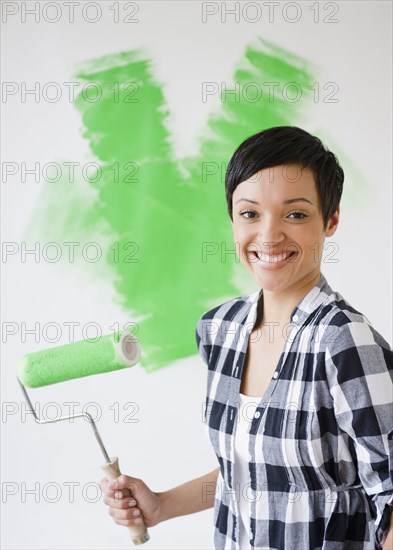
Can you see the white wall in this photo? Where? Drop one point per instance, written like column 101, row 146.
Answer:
column 168, row 444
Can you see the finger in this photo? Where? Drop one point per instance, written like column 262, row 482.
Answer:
column 112, row 490
column 109, row 486
column 119, row 484
column 123, row 503
column 105, row 485
column 131, row 484
column 128, row 523
column 124, row 514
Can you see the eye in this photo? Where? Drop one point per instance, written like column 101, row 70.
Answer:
column 298, row 215
column 247, row 212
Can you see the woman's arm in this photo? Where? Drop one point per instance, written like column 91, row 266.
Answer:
column 359, row 369
column 193, row 496
column 190, row 497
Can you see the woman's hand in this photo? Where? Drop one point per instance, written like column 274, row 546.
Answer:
column 128, row 511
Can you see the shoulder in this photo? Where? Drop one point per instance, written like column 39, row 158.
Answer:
column 348, row 327
column 234, row 310
column 352, row 348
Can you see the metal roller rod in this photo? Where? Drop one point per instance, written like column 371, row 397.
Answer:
column 80, row 415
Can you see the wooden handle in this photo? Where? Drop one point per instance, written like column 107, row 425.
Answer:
column 139, row 533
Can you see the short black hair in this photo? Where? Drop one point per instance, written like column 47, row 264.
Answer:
column 287, row 145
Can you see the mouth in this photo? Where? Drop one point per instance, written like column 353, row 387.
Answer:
column 256, row 256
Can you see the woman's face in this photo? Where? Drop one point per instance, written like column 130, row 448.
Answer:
column 278, row 227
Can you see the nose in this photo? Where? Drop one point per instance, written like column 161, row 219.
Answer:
column 270, row 232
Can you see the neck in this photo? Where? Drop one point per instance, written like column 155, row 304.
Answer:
column 276, row 307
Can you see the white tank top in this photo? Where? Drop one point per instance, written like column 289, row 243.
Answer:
column 247, row 406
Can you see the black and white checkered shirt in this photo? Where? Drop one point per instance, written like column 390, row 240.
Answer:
column 321, row 438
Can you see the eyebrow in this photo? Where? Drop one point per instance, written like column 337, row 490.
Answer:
column 288, row 201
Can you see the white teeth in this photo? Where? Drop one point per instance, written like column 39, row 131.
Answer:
column 272, row 259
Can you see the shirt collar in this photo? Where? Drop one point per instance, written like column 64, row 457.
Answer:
column 308, row 304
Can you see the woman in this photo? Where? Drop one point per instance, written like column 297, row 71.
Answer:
column 311, row 467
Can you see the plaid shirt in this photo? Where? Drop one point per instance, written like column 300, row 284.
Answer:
column 321, row 439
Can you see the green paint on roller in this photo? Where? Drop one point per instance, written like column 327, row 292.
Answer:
column 174, row 253
column 84, row 358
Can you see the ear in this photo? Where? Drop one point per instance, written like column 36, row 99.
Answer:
column 332, row 223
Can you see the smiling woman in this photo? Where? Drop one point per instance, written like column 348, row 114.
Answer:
column 299, row 388
column 311, row 467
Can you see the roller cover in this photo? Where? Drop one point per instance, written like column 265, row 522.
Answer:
column 111, row 352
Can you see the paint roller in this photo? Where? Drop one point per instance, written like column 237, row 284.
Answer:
column 84, row 358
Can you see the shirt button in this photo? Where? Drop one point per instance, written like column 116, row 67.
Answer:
column 257, row 414
column 275, row 375
column 295, row 318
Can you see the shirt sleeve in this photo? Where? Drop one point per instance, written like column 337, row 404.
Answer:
column 359, row 367
column 200, row 336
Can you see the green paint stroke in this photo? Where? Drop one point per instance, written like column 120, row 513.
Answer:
column 171, row 210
